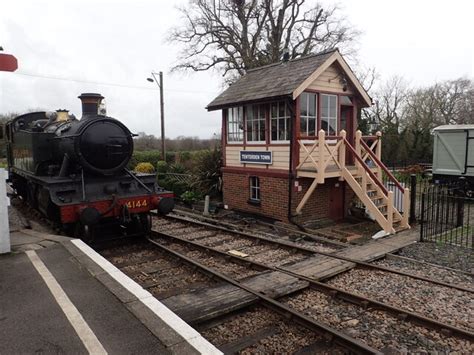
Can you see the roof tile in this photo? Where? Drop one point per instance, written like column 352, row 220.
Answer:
column 269, row 81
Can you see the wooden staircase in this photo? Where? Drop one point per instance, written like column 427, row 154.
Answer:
column 365, row 180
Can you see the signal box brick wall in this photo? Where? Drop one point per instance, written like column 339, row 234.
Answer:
column 274, row 197
column 273, row 192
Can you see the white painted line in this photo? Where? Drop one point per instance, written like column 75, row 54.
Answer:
column 196, row 340
column 81, row 327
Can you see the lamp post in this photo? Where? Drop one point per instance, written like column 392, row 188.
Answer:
column 159, row 82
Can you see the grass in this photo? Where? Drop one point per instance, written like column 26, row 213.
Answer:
column 461, row 236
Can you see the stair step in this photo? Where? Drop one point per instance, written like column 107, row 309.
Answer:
column 375, row 198
column 371, row 191
column 395, row 219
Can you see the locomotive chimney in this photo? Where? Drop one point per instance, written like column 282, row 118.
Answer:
column 90, row 103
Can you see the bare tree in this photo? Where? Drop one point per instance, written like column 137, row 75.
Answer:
column 454, row 101
column 233, row 36
column 389, row 104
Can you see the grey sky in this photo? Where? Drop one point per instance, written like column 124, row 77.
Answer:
column 118, row 41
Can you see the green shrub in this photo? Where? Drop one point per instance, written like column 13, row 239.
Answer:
column 149, row 156
column 146, row 168
column 178, row 169
column 208, row 172
column 189, row 197
column 161, row 166
column 170, row 184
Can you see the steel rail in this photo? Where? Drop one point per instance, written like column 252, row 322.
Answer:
column 333, row 291
column 317, row 238
column 327, row 332
column 292, row 245
column 421, row 262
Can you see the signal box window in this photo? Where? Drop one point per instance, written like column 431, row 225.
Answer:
column 235, row 125
column 254, row 189
column 280, row 117
column 256, row 124
column 308, row 114
column 329, row 114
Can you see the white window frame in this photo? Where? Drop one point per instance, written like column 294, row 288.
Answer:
column 235, row 125
column 315, row 117
column 330, row 117
column 256, row 120
column 254, row 186
column 286, row 119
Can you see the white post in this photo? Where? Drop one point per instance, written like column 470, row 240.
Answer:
column 4, row 203
column 206, row 206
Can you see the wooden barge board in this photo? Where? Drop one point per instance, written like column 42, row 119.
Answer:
column 201, row 305
column 204, row 304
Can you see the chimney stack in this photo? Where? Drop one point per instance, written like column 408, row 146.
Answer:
column 90, row 103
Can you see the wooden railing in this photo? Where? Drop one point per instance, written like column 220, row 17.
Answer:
column 321, row 155
column 366, row 166
column 381, row 166
column 321, row 150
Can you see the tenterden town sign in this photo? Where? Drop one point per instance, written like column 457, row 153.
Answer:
column 256, row 157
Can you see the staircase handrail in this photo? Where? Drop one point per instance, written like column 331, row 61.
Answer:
column 382, row 166
column 366, row 168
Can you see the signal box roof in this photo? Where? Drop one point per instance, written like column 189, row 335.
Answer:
column 284, row 79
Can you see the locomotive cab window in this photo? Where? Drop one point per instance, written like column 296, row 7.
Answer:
column 254, row 189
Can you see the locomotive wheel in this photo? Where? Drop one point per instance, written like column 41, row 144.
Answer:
column 84, row 232
column 145, row 221
column 140, row 225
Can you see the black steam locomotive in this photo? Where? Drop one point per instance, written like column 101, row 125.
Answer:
column 75, row 171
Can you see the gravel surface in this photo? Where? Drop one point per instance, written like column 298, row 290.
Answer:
column 277, row 257
column 20, row 216
column 227, row 267
column 154, row 274
column 441, row 303
column 434, row 272
column 316, row 246
column 277, row 233
column 230, row 244
column 375, row 328
column 444, row 255
column 288, row 337
column 162, row 224
column 188, row 232
column 215, row 240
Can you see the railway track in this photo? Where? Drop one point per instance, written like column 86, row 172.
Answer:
column 230, row 238
column 380, row 326
column 269, row 326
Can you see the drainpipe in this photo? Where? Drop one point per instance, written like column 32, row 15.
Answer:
column 290, row 170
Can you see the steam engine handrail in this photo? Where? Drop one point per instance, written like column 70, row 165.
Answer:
column 366, row 168
column 382, row 166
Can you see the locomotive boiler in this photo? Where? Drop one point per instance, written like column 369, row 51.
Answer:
column 75, row 171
